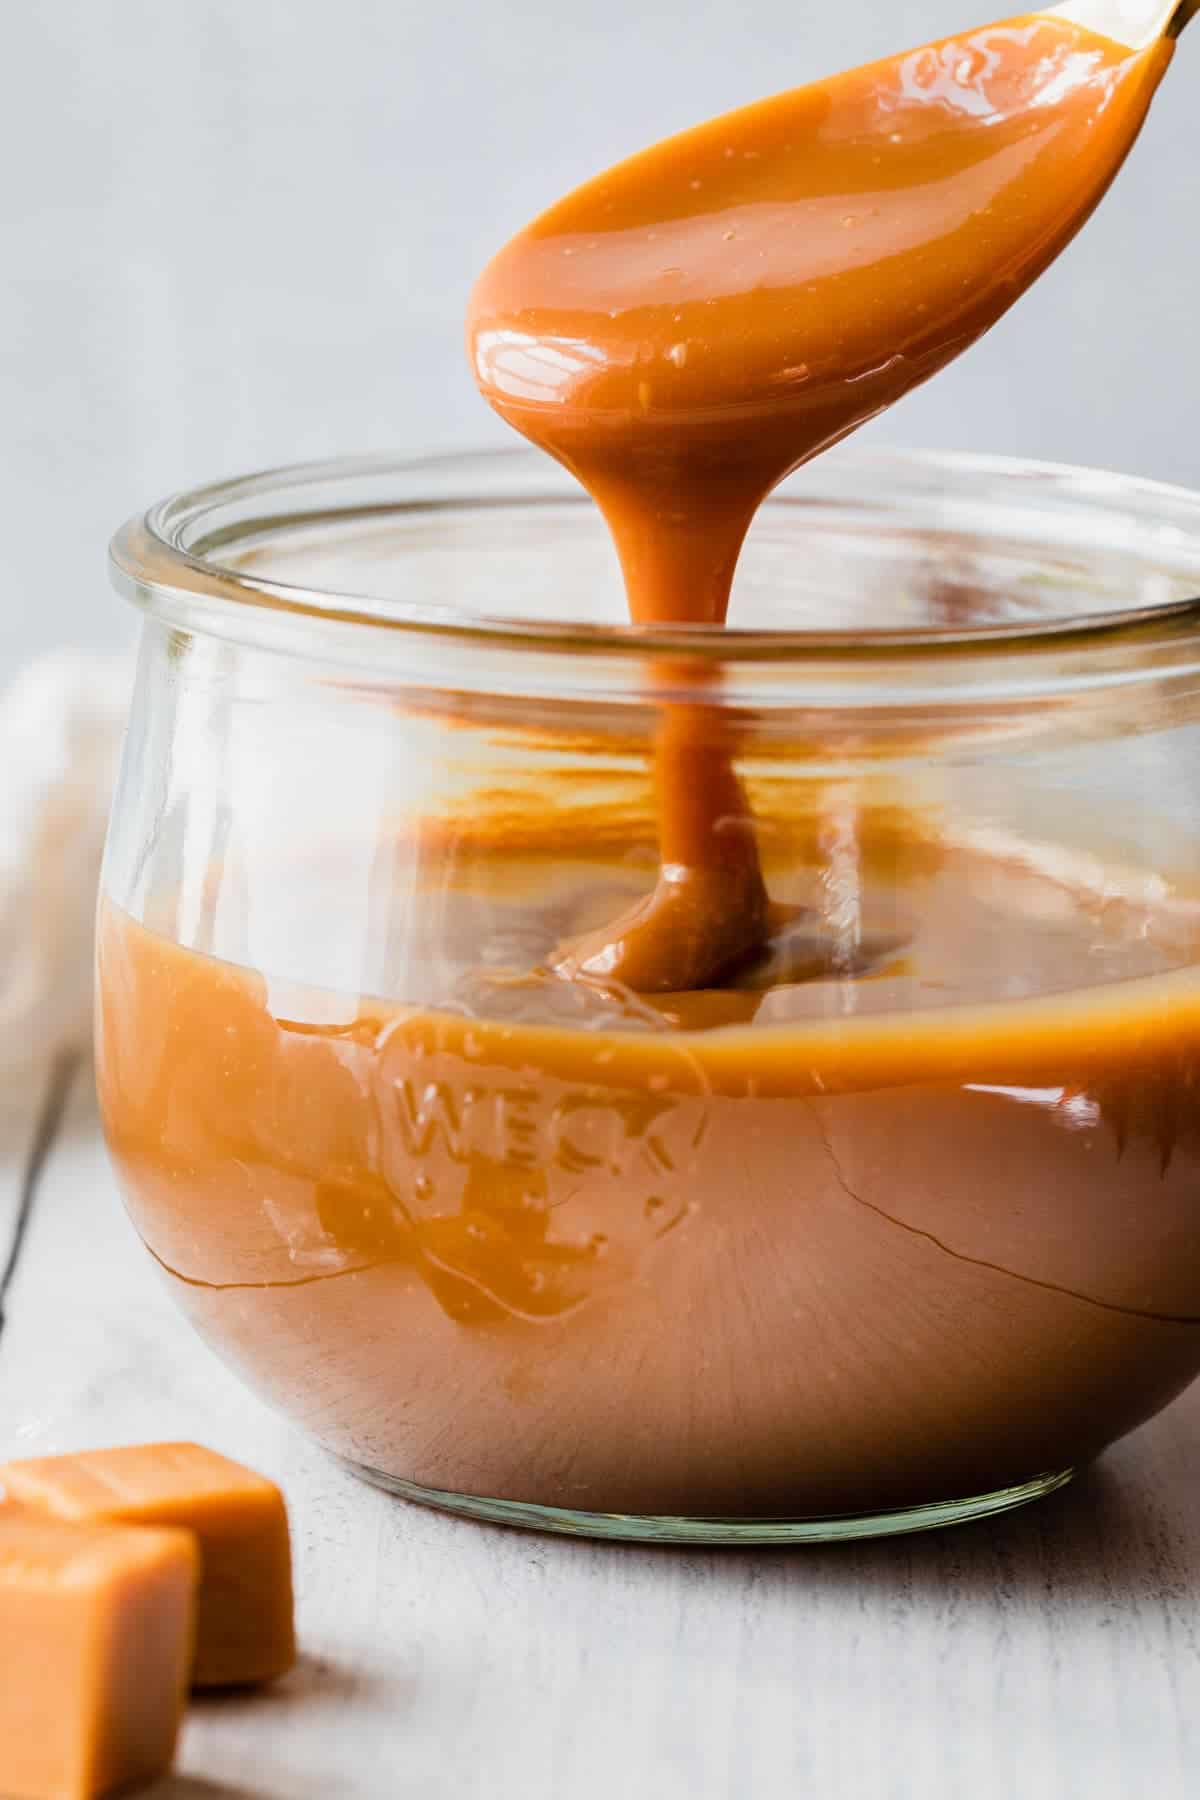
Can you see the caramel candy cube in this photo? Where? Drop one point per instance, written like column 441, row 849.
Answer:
column 244, row 1623
column 96, row 1634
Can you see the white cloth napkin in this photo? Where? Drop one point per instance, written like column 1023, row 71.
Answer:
column 61, row 724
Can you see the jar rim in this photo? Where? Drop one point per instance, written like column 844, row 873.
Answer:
column 163, row 561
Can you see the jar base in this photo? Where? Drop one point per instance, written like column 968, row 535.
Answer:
column 648, row 1529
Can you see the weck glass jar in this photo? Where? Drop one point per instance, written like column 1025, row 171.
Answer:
column 894, row 1226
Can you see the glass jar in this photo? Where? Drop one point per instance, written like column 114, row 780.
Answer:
column 894, row 1228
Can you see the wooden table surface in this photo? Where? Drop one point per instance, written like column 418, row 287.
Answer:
column 1052, row 1653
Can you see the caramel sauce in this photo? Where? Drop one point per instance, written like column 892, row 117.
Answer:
column 870, row 1236
column 686, row 330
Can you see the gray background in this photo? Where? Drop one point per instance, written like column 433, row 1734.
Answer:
column 239, row 232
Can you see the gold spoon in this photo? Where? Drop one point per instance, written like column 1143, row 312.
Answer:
column 1134, row 22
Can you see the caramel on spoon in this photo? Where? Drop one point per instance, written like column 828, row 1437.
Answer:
column 687, row 329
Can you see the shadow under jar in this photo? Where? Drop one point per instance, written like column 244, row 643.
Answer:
column 894, row 1228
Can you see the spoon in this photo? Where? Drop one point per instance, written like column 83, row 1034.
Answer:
column 688, row 328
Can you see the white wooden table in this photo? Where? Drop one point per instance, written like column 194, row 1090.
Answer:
column 1055, row 1653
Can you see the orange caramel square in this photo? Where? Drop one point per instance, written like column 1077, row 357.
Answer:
column 244, row 1628
column 97, row 1627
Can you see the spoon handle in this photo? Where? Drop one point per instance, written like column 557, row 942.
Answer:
column 1138, row 23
